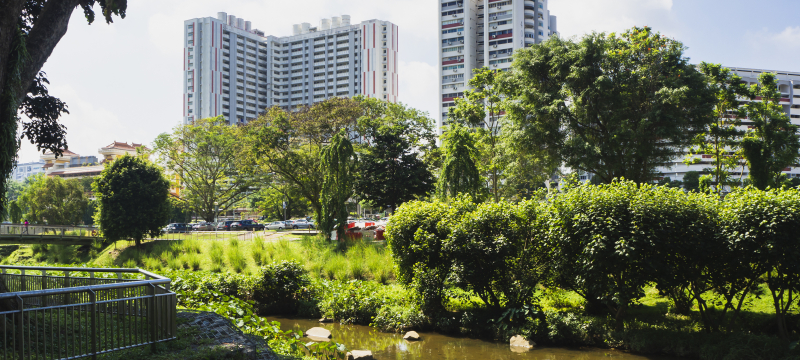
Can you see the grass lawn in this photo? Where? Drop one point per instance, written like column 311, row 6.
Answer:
column 330, row 260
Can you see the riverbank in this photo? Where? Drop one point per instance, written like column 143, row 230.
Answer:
column 355, row 294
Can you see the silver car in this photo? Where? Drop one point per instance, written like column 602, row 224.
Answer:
column 303, row 224
column 276, row 225
column 203, row 226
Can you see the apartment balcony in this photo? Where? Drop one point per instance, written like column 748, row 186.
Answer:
column 343, row 52
column 344, row 67
column 450, row 62
column 453, row 7
column 461, row 23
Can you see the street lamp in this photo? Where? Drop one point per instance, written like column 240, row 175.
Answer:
column 216, row 213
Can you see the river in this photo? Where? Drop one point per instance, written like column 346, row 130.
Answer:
column 385, row 346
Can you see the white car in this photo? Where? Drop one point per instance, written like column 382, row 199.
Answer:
column 276, row 225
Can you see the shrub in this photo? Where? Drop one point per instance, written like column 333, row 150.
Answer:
column 280, row 286
column 236, row 258
column 217, row 253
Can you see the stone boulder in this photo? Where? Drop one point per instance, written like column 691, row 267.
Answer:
column 360, row 355
column 520, row 343
column 326, row 320
column 411, row 336
column 318, row 334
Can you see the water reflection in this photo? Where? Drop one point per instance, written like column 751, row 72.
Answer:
column 385, row 346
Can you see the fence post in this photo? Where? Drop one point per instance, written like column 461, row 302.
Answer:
column 120, row 292
column 21, row 328
column 66, row 285
column 93, row 317
column 151, row 315
column 23, row 284
column 44, row 287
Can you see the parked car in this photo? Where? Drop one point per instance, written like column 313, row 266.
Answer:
column 236, row 226
column 251, row 225
column 176, row 228
column 276, row 225
column 225, row 225
column 203, row 226
column 302, row 224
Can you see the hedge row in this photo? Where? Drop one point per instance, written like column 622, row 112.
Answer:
column 606, row 243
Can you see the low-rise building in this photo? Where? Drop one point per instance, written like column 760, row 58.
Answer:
column 72, row 165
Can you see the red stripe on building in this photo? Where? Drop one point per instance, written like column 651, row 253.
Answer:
column 364, row 77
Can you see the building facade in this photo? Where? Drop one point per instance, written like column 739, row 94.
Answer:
column 72, row 165
column 24, row 170
column 233, row 70
column 789, row 87
column 484, row 33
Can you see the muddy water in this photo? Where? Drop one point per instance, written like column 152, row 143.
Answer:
column 385, row 346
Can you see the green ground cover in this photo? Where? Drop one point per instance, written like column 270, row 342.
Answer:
column 354, row 283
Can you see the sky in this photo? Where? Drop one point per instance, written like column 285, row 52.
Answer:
column 122, row 81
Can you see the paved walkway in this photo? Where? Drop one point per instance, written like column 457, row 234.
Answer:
column 223, row 333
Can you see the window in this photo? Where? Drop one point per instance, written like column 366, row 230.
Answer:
column 502, row 3
column 450, row 3
column 450, row 31
column 457, row 48
column 452, row 67
column 453, row 40
column 499, row 33
column 450, row 22
column 453, row 12
column 501, row 61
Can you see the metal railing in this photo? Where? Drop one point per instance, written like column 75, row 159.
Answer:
column 47, row 230
column 52, row 315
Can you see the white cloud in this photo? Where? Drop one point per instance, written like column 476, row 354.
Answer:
column 89, row 127
column 579, row 17
column 771, row 50
column 419, row 86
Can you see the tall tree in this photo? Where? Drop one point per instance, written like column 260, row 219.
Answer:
column 721, row 139
column 391, row 174
column 207, row 156
column 133, row 195
column 288, row 145
column 772, row 144
column 482, row 108
column 612, row 105
column 459, row 173
column 338, row 167
column 29, row 31
column 54, row 200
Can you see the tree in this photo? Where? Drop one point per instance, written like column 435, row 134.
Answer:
column 762, row 227
column 772, row 144
column 721, row 140
column 691, row 181
column 614, row 106
column 481, row 108
column 14, row 212
column 597, row 246
column 29, row 31
column 288, row 145
column 207, row 156
column 459, row 172
column 54, row 200
column 338, row 167
column 390, row 174
column 134, row 199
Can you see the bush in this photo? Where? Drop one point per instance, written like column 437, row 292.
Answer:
column 280, row 286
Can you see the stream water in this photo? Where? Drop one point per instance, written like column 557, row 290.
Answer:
column 385, row 346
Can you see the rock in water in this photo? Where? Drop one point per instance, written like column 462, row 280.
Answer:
column 411, row 336
column 318, row 334
column 360, row 355
column 325, row 320
column 520, row 343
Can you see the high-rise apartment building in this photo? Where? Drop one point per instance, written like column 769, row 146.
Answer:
column 478, row 33
column 789, row 87
column 234, row 70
